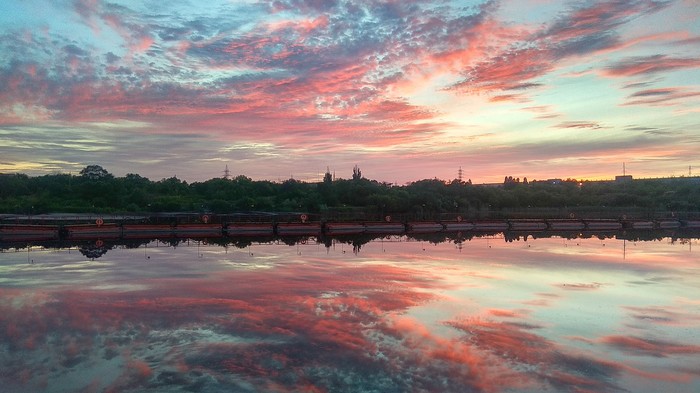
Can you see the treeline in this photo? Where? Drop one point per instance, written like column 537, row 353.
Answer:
column 96, row 190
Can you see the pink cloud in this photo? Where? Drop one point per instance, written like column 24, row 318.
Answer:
column 505, row 313
column 661, row 96
column 88, row 9
column 649, row 65
column 580, row 286
column 547, row 363
column 663, row 315
column 579, row 124
column 508, row 71
column 137, row 37
column 650, row 347
column 584, row 30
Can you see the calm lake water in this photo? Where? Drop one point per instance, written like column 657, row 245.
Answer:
column 397, row 315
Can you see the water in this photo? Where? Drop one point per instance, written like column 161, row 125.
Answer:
column 399, row 315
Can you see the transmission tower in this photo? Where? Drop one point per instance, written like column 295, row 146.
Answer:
column 227, row 173
column 459, row 174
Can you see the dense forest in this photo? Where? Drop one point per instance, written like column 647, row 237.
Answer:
column 95, row 190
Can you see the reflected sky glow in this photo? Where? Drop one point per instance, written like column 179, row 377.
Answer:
column 568, row 315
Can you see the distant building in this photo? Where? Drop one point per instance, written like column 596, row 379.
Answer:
column 623, row 179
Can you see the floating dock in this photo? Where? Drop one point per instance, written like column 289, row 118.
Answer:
column 100, row 230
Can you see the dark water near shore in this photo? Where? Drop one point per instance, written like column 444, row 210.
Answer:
column 400, row 315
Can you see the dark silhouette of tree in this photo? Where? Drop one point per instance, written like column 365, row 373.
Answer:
column 95, row 190
column 356, row 173
column 95, row 172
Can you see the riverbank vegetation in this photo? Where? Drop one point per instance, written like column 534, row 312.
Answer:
column 96, row 190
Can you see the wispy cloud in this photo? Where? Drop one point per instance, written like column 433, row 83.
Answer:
column 650, row 347
column 661, row 96
column 581, row 31
column 650, row 65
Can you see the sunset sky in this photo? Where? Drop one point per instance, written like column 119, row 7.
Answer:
column 407, row 90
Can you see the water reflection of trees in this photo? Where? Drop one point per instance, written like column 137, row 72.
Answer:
column 93, row 251
column 356, row 241
column 97, row 248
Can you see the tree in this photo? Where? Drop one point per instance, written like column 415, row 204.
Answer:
column 95, row 172
column 356, row 173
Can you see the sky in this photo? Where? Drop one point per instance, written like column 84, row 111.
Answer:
column 406, row 90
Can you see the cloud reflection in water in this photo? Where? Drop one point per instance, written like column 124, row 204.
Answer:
column 393, row 318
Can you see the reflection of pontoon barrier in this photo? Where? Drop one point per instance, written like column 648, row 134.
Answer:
column 527, row 225
column 458, row 226
column 250, row 229
column 566, row 225
column 344, row 228
column 99, row 231
column 298, row 229
column 603, row 224
column 198, row 230
column 490, row 225
column 28, row 232
column 137, row 231
column 692, row 224
column 668, row 224
column 425, row 227
column 385, row 227
column 640, row 224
